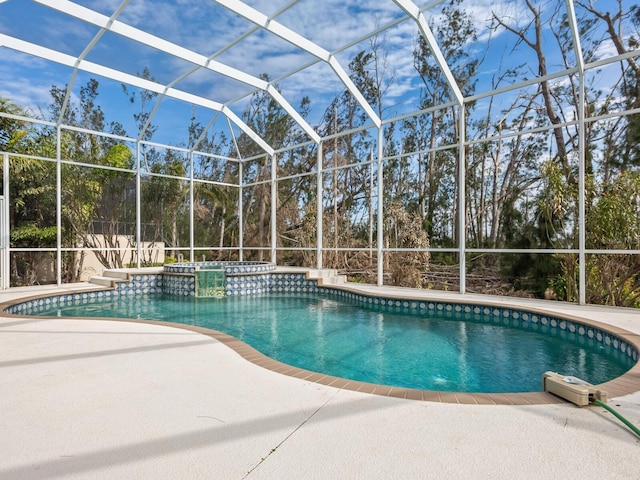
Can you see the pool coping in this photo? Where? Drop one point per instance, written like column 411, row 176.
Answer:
column 623, row 385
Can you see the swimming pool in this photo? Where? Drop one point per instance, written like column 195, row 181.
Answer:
column 430, row 346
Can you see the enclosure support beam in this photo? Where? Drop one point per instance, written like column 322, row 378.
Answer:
column 199, row 61
column 191, row 216
column 380, row 237
column 5, row 242
column 411, row 9
column 123, row 77
column 274, row 207
column 288, row 35
column 582, row 258
column 462, row 211
column 58, row 207
column 240, row 216
column 138, row 204
column 319, row 195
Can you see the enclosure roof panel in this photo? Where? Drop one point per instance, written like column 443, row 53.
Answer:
column 216, row 55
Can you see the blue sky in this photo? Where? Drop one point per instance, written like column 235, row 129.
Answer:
column 208, row 28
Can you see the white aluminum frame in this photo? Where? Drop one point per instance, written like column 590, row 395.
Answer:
column 269, row 24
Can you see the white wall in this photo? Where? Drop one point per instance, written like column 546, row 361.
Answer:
column 151, row 252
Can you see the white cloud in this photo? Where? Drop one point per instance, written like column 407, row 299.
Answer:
column 29, row 95
column 27, row 80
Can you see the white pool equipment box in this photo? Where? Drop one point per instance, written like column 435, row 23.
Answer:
column 571, row 388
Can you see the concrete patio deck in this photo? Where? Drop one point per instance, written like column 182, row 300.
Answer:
column 107, row 399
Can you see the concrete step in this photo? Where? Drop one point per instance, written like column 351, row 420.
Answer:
column 328, row 276
column 102, row 281
column 336, row 280
column 115, row 273
column 324, row 273
column 110, row 277
column 313, row 274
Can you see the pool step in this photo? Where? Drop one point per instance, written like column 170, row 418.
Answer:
column 327, row 276
column 109, row 278
column 115, row 273
column 102, row 281
column 337, row 280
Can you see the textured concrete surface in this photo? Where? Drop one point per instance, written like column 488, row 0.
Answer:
column 103, row 399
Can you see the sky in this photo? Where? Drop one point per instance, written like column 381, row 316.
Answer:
column 210, row 29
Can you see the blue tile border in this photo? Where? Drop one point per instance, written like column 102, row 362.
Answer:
column 255, row 283
column 504, row 316
column 229, row 267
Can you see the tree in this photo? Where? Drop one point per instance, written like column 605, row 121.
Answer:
column 164, row 198
column 622, row 30
column 556, row 104
column 532, row 36
column 437, row 169
column 164, row 192
column 11, row 130
column 215, row 206
column 272, row 123
column 93, row 199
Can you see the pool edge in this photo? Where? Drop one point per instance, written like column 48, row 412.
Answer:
column 625, row 384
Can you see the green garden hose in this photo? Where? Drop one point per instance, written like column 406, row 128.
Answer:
column 635, row 429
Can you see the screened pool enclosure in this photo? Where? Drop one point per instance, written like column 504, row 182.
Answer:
column 469, row 146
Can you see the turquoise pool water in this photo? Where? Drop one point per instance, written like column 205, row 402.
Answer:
column 436, row 351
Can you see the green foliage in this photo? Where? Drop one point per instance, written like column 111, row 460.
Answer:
column 557, row 205
column 12, row 131
column 612, row 222
column 30, row 235
column 613, row 218
column 119, row 156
